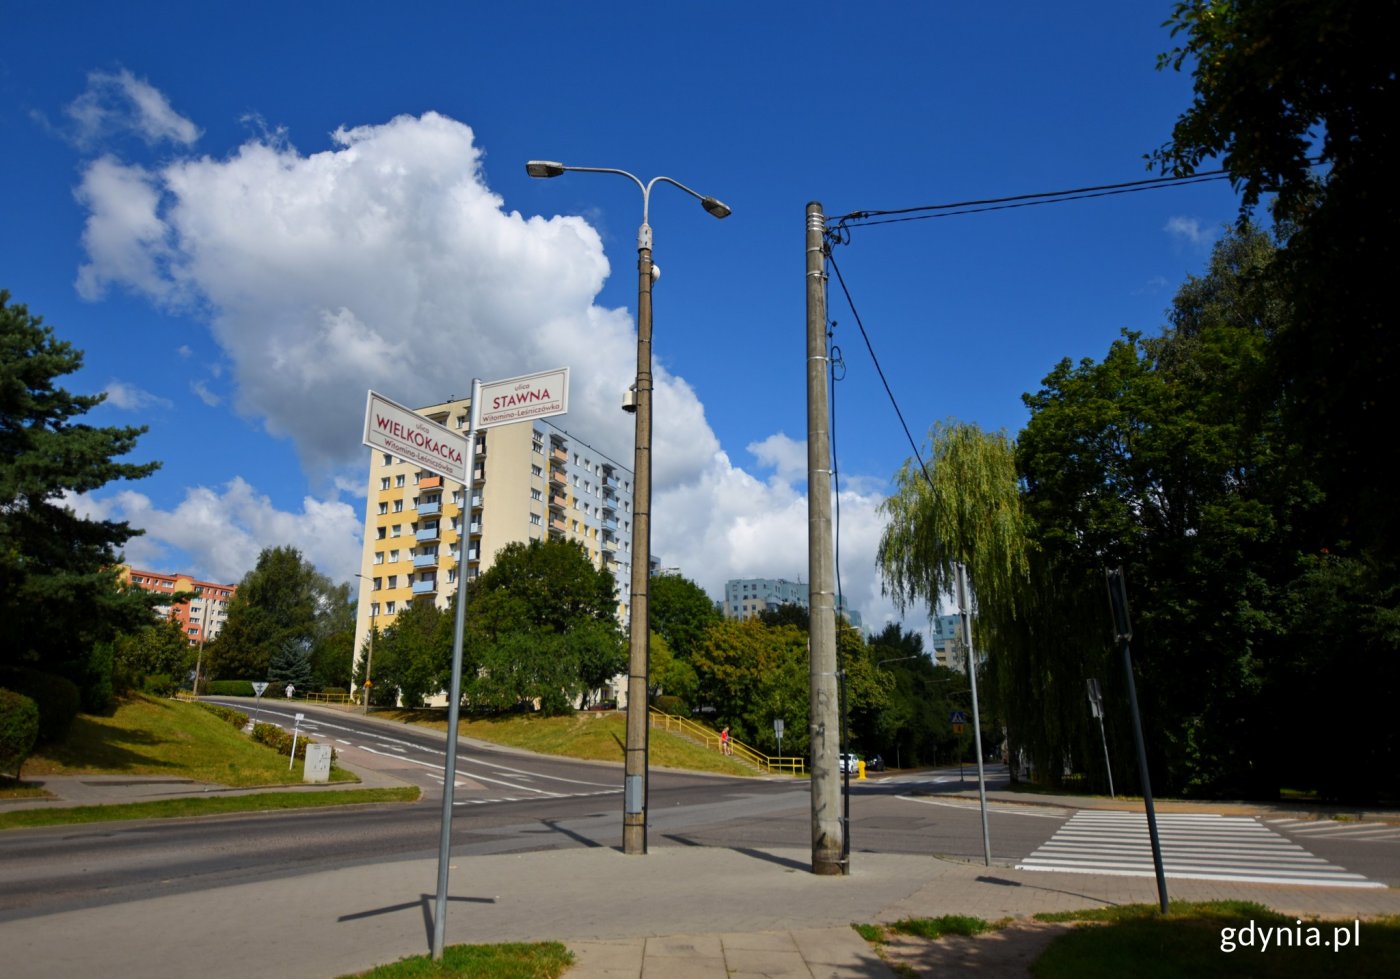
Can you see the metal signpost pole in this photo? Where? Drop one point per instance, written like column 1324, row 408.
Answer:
column 964, row 604
column 1118, row 599
column 454, row 692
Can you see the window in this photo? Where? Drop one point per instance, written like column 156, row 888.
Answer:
column 374, row 608
column 379, row 534
column 378, row 557
column 536, row 494
column 383, row 508
column 393, row 556
column 377, row 583
column 388, row 459
column 417, row 476
column 397, row 530
column 535, row 519
column 398, row 506
column 536, row 471
column 389, row 607
column 384, row 483
column 457, row 497
column 537, row 446
column 393, row 581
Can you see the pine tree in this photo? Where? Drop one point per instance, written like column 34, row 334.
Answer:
column 59, row 590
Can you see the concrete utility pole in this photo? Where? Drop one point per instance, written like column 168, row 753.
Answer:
column 828, row 832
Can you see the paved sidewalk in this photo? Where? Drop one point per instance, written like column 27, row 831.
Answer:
column 678, row 912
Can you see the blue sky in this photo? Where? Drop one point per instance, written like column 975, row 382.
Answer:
column 248, row 214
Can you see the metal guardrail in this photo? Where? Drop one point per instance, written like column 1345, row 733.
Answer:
column 710, row 739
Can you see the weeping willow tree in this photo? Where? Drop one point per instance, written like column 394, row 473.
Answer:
column 965, row 507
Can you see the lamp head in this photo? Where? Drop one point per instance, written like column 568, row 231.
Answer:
column 544, row 168
column 716, row 207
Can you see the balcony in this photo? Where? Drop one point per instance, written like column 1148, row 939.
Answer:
column 430, row 482
column 479, row 474
column 610, row 523
column 430, row 509
column 558, row 499
column 557, row 477
column 425, row 560
column 428, row 587
column 608, row 546
column 558, row 523
column 476, row 501
column 429, row 533
column 474, row 528
column 558, row 454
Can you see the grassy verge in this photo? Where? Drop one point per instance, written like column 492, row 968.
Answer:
column 929, row 928
column 518, row 960
column 202, row 806
column 152, row 736
column 1216, row 938
column 594, row 735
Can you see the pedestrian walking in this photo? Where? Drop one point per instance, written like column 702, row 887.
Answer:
column 724, row 747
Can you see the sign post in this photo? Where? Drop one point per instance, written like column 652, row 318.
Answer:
column 258, row 687
column 1096, row 709
column 392, row 428
column 296, row 727
column 778, row 733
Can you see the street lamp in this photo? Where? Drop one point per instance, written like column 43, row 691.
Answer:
column 634, row 825
column 369, row 656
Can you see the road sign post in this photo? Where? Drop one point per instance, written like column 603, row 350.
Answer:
column 258, row 687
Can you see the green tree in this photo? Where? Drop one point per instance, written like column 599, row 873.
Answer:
column 332, row 649
column 279, row 600
column 290, row 663
column 59, row 588
column 1297, row 100
column 541, row 625
column 158, row 649
column 413, row 655
column 680, row 612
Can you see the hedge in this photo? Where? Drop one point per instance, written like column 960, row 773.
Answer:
column 19, row 729
column 57, row 698
column 235, row 717
column 230, row 688
column 281, row 740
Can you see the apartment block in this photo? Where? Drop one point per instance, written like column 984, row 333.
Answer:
column 747, row 597
column 531, row 481
column 202, row 616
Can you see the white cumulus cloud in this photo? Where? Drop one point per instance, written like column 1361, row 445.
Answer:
column 386, row 262
column 129, row 397
column 116, row 103
column 217, row 534
column 1189, row 230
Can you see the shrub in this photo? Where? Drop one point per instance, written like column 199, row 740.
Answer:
column 281, row 740
column 235, row 717
column 19, row 729
column 231, row 688
column 56, row 697
column 159, row 685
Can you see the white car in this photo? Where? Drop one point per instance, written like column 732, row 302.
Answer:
column 851, row 763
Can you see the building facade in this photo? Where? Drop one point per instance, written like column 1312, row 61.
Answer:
column 531, row 481
column 203, row 616
column 747, row 597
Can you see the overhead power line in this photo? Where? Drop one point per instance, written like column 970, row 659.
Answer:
column 862, row 219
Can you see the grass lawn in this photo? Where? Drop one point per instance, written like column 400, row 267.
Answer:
column 1190, row 942
column 154, row 736
column 203, row 806
column 514, row 960
column 594, row 735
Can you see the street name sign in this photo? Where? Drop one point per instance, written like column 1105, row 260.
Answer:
column 404, row 433
column 524, row 398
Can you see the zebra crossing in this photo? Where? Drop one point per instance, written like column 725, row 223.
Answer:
column 1194, row 847
column 1333, row 830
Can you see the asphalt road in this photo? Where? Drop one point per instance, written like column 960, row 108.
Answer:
column 509, row 801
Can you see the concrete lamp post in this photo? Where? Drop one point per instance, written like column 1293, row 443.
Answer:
column 634, row 824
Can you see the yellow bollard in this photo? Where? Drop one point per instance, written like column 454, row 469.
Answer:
column 860, row 770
